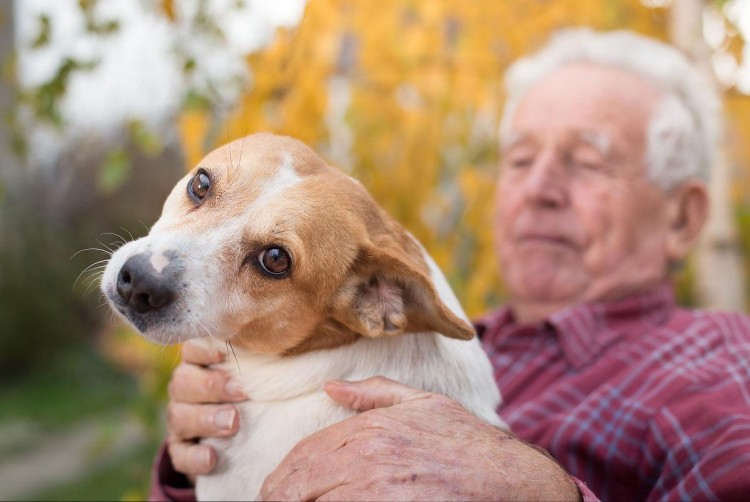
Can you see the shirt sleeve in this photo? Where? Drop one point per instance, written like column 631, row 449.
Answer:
column 699, row 445
column 166, row 483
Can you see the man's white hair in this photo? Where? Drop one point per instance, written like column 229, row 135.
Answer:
column 684, row 126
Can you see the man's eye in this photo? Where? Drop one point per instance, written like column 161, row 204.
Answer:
column 199, row 186
column 520, row 162
column 588, row 164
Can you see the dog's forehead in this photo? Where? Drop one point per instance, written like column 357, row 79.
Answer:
column 268, row 184
column 263, row 156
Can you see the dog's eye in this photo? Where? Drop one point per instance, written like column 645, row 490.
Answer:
column 274, row 260
column 198, row 186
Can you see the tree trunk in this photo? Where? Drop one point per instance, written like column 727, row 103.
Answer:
column 720, row 277
column 9, row 163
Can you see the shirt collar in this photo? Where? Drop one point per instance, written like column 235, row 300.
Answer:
column 586, row 329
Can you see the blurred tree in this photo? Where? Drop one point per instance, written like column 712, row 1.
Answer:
column 7, row 32
column 720, row 281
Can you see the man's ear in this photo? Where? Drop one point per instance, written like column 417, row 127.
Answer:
column 687, row 212
column 389, row 291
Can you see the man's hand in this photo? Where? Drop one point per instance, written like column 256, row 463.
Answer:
column 412, row 445
column 193, row 411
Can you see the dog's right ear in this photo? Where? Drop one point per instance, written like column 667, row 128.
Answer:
column 390, row 291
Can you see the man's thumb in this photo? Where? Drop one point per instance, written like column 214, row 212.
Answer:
column 375, row 392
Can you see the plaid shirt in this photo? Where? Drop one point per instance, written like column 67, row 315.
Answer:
column 638, row 398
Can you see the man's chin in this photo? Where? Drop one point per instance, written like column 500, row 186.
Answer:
column 546, row 285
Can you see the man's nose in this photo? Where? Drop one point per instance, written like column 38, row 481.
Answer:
column 141, row 287
column 547, row 182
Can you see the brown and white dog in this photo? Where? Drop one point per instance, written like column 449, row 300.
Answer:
column 267, row 246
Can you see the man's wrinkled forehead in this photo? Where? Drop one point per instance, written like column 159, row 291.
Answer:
column 599, row 140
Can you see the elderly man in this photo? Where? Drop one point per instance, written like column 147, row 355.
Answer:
column 605, row 142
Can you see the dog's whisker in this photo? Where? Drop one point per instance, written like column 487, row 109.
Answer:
column 89, row 268
column 122, row 239
column 129, row 233
column 95, row 276
column 176, row 359
column 207, row 330
column 164, row 347
column 145, row 226
column 236, row 361
column 100, row 263
column 241, row 345
column 94, row 267
column 229, row 154
column 112, row 251
column 91, row 249
column 116, row 244
column 242, row 148
column 94, row 280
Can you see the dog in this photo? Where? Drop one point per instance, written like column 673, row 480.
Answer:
column 268, row 247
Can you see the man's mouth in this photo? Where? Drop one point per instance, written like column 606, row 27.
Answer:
column 547, row 239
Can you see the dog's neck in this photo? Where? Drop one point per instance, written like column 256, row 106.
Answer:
column 329, row 334
column 268, row 377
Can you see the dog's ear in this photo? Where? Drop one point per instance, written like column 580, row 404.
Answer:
column 390, row 291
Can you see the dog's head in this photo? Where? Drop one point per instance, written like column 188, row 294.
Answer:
column 265, row 243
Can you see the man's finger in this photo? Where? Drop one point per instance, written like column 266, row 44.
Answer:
column 190, row 421
column 375, row 392
column 191, row 459
column 197, row 353
column 195, row 384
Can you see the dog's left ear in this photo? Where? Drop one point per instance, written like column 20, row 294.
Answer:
column 390, row 291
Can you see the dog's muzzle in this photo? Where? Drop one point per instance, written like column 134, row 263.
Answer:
column 141, row 288
column 144, row 294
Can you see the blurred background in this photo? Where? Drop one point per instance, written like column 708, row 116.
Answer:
column 106, row 103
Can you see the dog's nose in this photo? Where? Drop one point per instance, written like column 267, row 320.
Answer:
column 142, row 288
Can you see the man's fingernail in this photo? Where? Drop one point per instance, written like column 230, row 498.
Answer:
column 234, row 389
column 224, row 419
column 202, row 457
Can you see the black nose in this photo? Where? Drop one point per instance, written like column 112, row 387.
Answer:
column 141, row 287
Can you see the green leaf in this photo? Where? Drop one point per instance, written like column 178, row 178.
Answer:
column 114, row 171
column 146, row 140
column 45, row 28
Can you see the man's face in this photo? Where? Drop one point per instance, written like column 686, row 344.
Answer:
column 577, row 218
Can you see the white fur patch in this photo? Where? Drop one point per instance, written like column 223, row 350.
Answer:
column 446, row 294
column 286, row 177
column 159, row 261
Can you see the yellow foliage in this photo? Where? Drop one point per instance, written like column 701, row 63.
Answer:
column 193, row 126
column 132, row 353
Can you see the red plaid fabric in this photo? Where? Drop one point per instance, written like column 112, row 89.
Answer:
column 639, row 399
